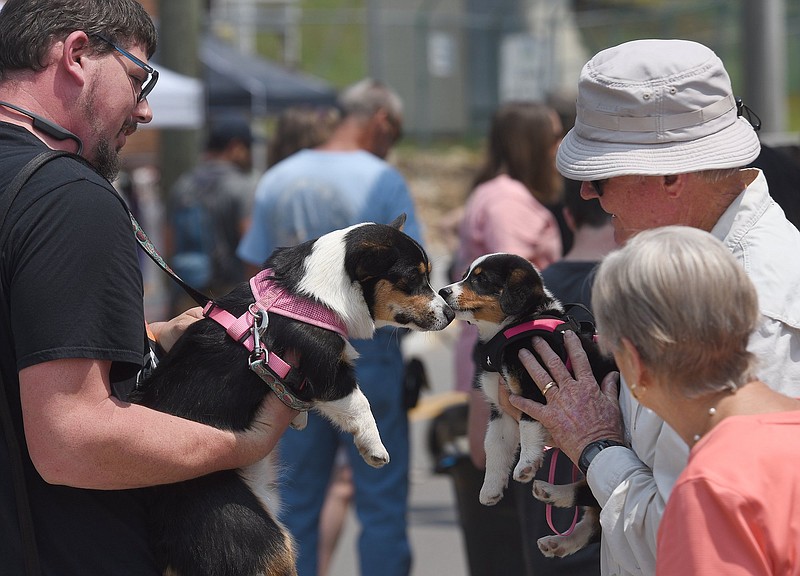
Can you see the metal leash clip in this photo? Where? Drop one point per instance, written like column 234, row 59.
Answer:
column 259, row 363
column 260, row 322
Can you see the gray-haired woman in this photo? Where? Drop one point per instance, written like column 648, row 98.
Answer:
column 676, row 310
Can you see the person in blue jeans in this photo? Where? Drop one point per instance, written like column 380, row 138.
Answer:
column 343, row 182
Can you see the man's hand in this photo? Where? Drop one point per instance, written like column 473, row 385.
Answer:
column 578, row 411
column 167, row 333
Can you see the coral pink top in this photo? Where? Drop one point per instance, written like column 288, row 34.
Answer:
column 501, row 215
column 735, row 509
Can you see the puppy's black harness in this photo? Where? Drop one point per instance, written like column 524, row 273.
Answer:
column 549, row 327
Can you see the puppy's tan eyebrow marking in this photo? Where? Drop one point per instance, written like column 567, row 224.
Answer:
column 477, row 270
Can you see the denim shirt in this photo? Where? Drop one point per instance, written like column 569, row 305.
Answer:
column 633, row 485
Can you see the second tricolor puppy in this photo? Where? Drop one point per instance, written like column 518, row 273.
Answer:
column 504, row 297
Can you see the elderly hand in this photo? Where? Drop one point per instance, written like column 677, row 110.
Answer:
column 167, row 333
column 578, row 411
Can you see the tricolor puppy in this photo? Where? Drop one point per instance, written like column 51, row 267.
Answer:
column 305, row 304
column 504, row 296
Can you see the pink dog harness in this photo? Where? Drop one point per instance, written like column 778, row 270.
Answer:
column 247, row 329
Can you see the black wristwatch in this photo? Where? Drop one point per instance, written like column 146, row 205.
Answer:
column 592, row 450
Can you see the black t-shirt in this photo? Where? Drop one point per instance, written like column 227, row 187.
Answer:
column 72, row 288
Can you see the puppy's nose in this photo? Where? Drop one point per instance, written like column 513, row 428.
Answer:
column 445, row 292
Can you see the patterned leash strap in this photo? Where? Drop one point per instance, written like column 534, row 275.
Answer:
column 150, row 249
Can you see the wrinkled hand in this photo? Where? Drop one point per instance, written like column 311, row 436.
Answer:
column 578, row 411
column 167, row 333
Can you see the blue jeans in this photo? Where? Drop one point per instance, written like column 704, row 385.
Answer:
column 381, row 495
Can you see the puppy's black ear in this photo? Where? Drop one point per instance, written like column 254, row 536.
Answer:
column 523, row 289
column 373, row 260
column 399, row 221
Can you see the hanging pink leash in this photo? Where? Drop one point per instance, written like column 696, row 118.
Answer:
column 551, row 479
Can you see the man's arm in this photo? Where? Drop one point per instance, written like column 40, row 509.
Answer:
column 79, row 435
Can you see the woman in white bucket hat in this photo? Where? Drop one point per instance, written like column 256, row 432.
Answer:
column 660, row 139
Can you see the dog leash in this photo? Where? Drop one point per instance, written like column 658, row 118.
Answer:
column 551, row 477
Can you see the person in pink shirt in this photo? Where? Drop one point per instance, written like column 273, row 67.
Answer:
column 676, row 309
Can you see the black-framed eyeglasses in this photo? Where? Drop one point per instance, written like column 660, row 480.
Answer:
column 597, row 185
column 152, row 74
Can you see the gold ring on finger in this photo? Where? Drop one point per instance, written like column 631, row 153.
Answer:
column 548, row 386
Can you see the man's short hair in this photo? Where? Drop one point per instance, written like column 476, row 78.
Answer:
column 366, row 97
column 28, row 28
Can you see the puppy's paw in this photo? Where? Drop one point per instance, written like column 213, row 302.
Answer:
column 542, row 491
column 300, row 421
column 561, row 496
column 377, row 459
column 551, row 546
column 488, row 499
column 526, row 469
column 491, row 492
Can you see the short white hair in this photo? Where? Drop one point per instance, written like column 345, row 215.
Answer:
column 366, row 97
column 681, row 298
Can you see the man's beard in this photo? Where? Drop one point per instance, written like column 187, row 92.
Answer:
column 105, row 157
column 106, row 160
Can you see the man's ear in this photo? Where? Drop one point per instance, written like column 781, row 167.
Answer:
column 399, row 222
column 70, row 54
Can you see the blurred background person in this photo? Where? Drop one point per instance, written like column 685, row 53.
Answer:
column 300, row 127
column 297, row 128
column 207, row 213
column 570, row 278
column 339, row 183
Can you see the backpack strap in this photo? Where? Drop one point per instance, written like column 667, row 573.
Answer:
column 141, row 237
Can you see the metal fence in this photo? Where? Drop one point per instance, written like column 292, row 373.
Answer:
column 454, row 61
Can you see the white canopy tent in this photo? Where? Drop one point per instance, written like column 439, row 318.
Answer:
column 177, row 101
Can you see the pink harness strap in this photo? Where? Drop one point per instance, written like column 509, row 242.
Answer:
column 240, row 330
column 549, row 324
column 272, row 298
column 269, row 297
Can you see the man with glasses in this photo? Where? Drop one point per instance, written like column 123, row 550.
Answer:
column 660, row 139
column 342, row 182
column 74, row 77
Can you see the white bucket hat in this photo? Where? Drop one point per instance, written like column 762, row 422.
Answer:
column 655, row 107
